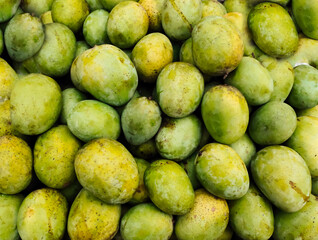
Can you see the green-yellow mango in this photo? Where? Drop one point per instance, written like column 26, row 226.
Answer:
column 36, row 7
column 46, row 17
column 71, row 191
column 212, row 7
column 94, row 5
column 81, row 46
column 110, row 4
column 282, row 176
column 309, row 112
column 314, row 188
column 245, row 148
column 146, row 150
column 189, row 167
column 154, row 10
column 8, row 8
column 7, row 79
column 186, row 54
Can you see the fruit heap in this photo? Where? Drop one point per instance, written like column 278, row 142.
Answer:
column 158, row 119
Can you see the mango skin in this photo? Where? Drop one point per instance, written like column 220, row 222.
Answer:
column 94, row 5
column 91, row 119
column 272, row 123
column 251, row 217
column 189, row 167
column 9, row 207
column 252, row 80
column 213, row 8
column 154, row 10
column 71, row 13
column 5, row 119
column 54, row 155
column 1, row 42
column 127, row 23
column 46, row 17
column 190, row 84
column 146, row 150
column 282, row 176
column 299, row 225
column 222, row 108
column 91, row 218
column 304, row 142
column 110, row 4
column 169, row 187
column 309, row 112
column 178, row 18
column 141, row 120
column 146, row 221
column 314, row 188
column 217, row 46
column 186, row 54
column 305, row 90
column 36, row 103
column 36, row 7
column 43, row 214
column 8, row 8
column 273, row 30
column 106, row 169
column 245, row 148
column 206, row 220
column 57, row 52
column 173, row 142
column 115, row 77
column 150, row 55
column 221, row 171
column 7, row 78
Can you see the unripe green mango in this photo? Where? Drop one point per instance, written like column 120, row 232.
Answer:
column 282, row 176
column 251, row 217
column 253, row 80
column 212, row 7
column 94, row 5
column 146, row 150
column 245, row 148
column 169, row 187
column 91, row 218
column 225, row 113
column 8, row 8
column 36, row 103
column 81, row 46
column 273, row 30
column 43, row 215
column 174, row 142
column 146, row 221
column 110, row 4
column 1, row 42
column 5, row 119
column 221, row 171
column 154, row 10
column 190, row 84
column 106, row 169
column 217, row 46
column 36, row 7
column 206, row 220
column 304, row 141
column 71, row 191
column 189, row 167
column 299, row 225
column 309, row 112
column 9, row 207
column 7, row 79
column 54, row 155
column 272, row 123
column 186, row 54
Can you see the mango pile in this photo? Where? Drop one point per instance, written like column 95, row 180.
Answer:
column 158, row 119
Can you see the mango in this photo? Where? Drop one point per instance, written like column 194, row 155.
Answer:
column 1, row 42
column 299, row 225
column 106, row 169
column 206, row 220
column 245, row 148
column 110, row 4
column 81, row 46
column 273, row 30
column 71, row 191
column 7, row 79
column 154, row 10
column 272, row 123
column 282, row 176
column 46, row 17
column 225, row 113
column 146, row 221
column 94, row 5
column 251, row 217
column 5, row 119
column 314, row 188
column 9, row 207
column 186, row 54
column 36, row 7
column 221, row 171
column 91, row 218
column 217, row 46
column 169, row 187
column 8, row 8
column 173, row 142
column 212, row 7
column 309, row 112
column 189, row 166
column 303, row 141
column 145, row 150
column 190, row 84
column 43, row 214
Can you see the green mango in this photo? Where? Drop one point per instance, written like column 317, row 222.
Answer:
column 206, row 220
column 8, row 8
column 273, row 30
column 146, row 221
column 54, row 154
column 189, row 166
column 217, row 46
column 225, row 113
column 71, row 13
column 110, row 4
column 186, row 54
column 94, row 5
column 173, row 142
column 169, row 187
column 273, row 123
column 91, row 218
column 1, row 42
column 309, row 112
column 150, row 55
column 304, row 93
column 81, row 46
column 251, row 217
column 146, row 150
column 127, row 23
column 314, row 188
column 179, row 17
column 154, row 10
column 36, row 7
column 43, row 215
column 190, row 84
column 304, row 141
column 71, row 191
column 106, row 169
column 221, row 171
column 94, row 28
column 282, row 176
column 5, row 119
column 9, row 207
column 298, row 225
column 7, row 79
column 212, row 8
column 245, row 148
column 253, row 80
column 227, row 234
column 36, row 103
